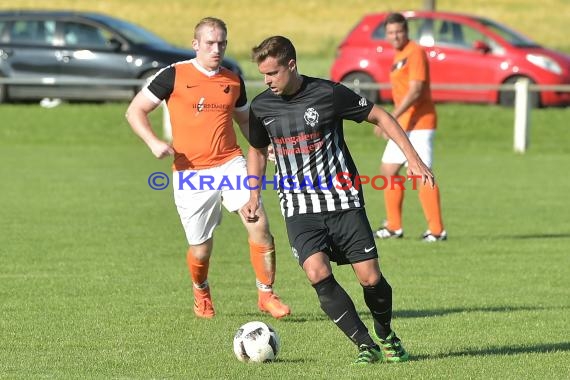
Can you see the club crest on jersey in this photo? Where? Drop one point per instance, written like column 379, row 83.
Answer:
column 311, row 117
column 200, row 105
column 398, row 65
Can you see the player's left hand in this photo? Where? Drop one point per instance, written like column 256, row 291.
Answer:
column 270, row 154
column 249, row 210
column 418, row 168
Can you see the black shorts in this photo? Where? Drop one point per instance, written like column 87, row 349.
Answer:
column 345, row 236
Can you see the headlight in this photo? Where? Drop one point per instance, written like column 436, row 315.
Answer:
column 545, row 63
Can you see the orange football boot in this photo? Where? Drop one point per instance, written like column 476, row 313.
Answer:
column 269, row 302
column 203, row 307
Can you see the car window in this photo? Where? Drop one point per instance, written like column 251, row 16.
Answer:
column 380, row 32
column 83, row 35
column 509, row 35
column 36, row 32
column 134, row 33
column 418, row 28
column 2, row 35
column 452, row 34
column 414, row 26
column 421, row 30
column 429, row 32
column 470, row 36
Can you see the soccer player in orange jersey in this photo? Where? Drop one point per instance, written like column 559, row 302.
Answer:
column 415, row 111
column 203, row 99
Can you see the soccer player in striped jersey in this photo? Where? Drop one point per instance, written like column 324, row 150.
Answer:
column 203, row 99
column 302, row 117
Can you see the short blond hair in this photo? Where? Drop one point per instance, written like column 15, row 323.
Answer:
column 209, row 21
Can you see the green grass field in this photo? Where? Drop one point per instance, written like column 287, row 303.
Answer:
column 93, row 281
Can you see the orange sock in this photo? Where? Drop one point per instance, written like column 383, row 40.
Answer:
column 263, row 261
column 393, row 199
column 198, row 269
column 429, row 199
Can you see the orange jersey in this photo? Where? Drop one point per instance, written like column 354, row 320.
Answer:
column 201, row 107
column 411, row 64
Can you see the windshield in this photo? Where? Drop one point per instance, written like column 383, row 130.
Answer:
column 509, row 35
column 133, row 32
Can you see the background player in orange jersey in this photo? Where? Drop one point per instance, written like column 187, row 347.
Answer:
column 203, row 99
column 415, row 111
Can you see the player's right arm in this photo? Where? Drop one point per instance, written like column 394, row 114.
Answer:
column 147, row 100
column 137, row 116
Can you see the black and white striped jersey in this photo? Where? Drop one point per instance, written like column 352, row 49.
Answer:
column 306, row 130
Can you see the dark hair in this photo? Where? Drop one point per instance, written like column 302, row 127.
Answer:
column 209, row 21
column 397, row 18
column 278, row 47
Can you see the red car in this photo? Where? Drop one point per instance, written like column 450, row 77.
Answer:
column 462, row 49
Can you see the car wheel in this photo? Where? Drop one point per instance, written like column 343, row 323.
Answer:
column 356, row 79
column 507, row 98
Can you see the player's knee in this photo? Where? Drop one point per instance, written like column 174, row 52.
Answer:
column 368, row 272
column 370, row 280
column 200, row 252
column 317, row 274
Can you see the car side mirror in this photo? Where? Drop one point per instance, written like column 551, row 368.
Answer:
column 481, row 46
column 114, row 44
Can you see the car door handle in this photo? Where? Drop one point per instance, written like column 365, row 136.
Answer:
column 63, row 56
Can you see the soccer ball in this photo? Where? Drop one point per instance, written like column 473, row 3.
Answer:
column 256, row 342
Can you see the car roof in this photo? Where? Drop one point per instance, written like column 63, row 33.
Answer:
column 422, row 13
column 53, row 13
column 25, row 12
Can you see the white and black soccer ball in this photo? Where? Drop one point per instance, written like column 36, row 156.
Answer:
column 256, row 342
